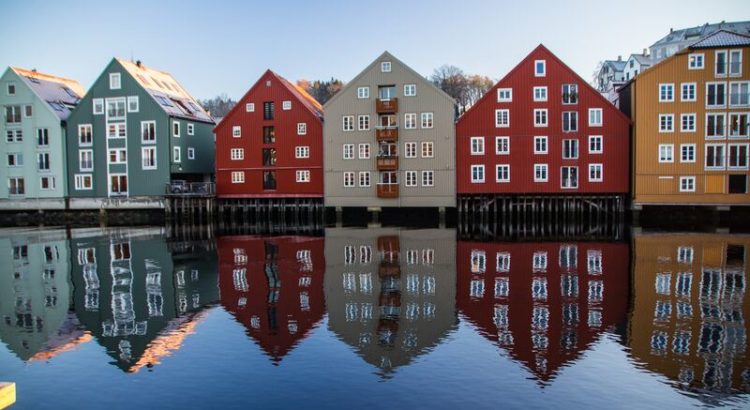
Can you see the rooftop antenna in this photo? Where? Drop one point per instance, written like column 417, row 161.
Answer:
column 131, row 55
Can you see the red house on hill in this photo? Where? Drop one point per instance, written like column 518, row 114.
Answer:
column 270, row 145
column 544, row 303
column 542, row 129
column 274, row 287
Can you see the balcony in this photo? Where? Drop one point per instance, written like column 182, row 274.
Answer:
column 386, row 106
column 387, row 190
column 387, row 163
column 386, row 133
column 389, row 269
column 184, row 188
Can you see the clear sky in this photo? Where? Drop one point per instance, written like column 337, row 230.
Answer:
column 219, row 46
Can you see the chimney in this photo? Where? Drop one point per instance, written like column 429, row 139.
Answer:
column 33, row 70
column 138, row 63
column 671, row 30
column 645, row 51
column 619, row 58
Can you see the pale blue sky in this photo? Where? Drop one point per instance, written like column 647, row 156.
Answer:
column 219, row 46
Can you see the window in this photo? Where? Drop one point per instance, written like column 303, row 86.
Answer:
column 687, row 153
column 115, row 108
column 688, row 92
column 570, row 93
column 16, row 186
column 14, row 136
column 148, row 132
column 116, row 130
column 687, row 184
column 666, row 92
column 737, row 156
column 286, row 105
column 716, row 95
column 114, row 81
column 385, row 66
column 303, row 176
column 269, row 135
column 43, row 161
column 191, row 153
column 596, row 173
column 428, row 178
column 666, row 122
column 175, row 129
column 302, row 152
column 410, row 150
column 739, row 125
column 477, row 173
column 540, row 68
column 348, row 179
column 410, row 90
column 348, row 151
column 477, row 145
column 118, row 156
column 569, row 177
column 238, row 177
column 13, row 114
column 427, row 149
column 540, row 172
column 11, row 89
column 98, row 106
column 739, row 93
column 249, row 107
column 504, row 94
column 540, row 145
column 695, row 61
column 411, row 178
column 595, row 117
column 364, row 178
column 83, row 182
column 86, row 160
column 687, row 122
column 502, row 173
column 301, row 128
column 191, row 129
column 540, row 117
column 268, row 110
column 502, row 145
column 236, row 154
column 735, row 62
column 427, row 118
column 595, row 144
column 502, row 118
column 148, row 158
column 133, row 103
column 410, row 121
column 715, row 125
column 269, row 157
column 364, row 122
column 177, row 154
column 540, row 93
column 715, row 156
column 348, row 123
column 570, row 149
column 15, row 159
column 666, row 152
column 42, row 137
column 570, row 121
column 28, row 111
column 364, row 151
column 363, row 92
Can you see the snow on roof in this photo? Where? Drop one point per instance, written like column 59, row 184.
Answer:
column 61, row 94
column 722, row 38
column 699, row 32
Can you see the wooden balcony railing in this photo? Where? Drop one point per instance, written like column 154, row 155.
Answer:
column 389, row 269
column 389, row 163
column 386, row 134
column 387, row 190
column 182, row 188
column 386, row 106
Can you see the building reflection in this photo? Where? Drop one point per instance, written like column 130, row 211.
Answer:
column 543, row 302
column 35, row 295
column 390, row 293
column 690, row 304
column 137, row 298
column 274, row 287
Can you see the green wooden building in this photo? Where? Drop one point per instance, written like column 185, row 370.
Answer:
column 135, row 132
column 35, row 107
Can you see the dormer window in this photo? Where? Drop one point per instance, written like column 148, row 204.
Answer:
column 385, row 66
column 115, row 81
column 540, row 68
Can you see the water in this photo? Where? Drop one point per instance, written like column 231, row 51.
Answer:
column 369, row 318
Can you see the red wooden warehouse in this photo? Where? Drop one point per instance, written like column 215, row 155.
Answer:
column 542, row 130
column 269, row 146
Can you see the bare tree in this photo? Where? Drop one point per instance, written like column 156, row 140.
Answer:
column 453, row 81
column 477, row 86
column 218, row 106
column 322, row 91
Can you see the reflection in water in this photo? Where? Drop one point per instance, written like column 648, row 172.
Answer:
column 543, row 302
column 390, row 293
column 274, row 287
column 690, row 308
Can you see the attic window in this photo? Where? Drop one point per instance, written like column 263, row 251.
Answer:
column 268, row 83
column 57, row 106
column 250, row 107
column 286, row 105
column 385, row 66
column 70, row 92
column 182, row 106
column 11, row 89
column 540, row 68
column 115, row 81
column 193, row 106
column 163, row 101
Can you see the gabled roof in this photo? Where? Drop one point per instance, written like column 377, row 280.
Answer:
column 699, row 32
column 643, row 59
column 166, row 91
column 390, row 56
column 61, row 94
column 618, row 65
column 722, row 38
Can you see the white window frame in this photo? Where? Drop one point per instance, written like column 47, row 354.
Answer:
column 132, row 104
column 364, row 179
column 688, row 87
column 115, row 81
column 363, row 151
column 592, row 140
column 543, row 96
column 302, row 152
column 81, row 153
column 176, row 155
column 348, row 151
column 118, row 156
column 716, row 65
column 544, row 167
column 410, row 145
column 144, row 150
column 428, row 146
column 728, row 155
column 79, row 180
column 238, row 177
column 190, row 129
column 286, row 105
column 301, row 128
column 97, row 106
column 739, row 86
column 716, row 84
column 191, row 153
column 506, row 167
column 573, row 143
column 349, row 179
column 428, row 178
column 236, row 154
column 236, row 131
column 544, row 68
column 570, row 115
column 386, row 66
column 730, row 61
column 410, row 121
column 693, row 57
column 543, row 116
column 690, row 180
column 501, row 142
column 666, row 149
column 476, row 145
column 578, row 177
column 592, row 121
column 670, row 118
column 363, row 122
column 601, row 172
column 427, row 120
column 176, row 130
column 410, row 178
column 723, row 157
column 347, row 123
column 302, row 176
column 363, row 93
column 683, row 116
column 724, row 122
column 502, row 118
column 90, row 128
column 666, row 92
column 729, row 125
column 504, row 95
column 479, row 169
column 249, row 107
column 687, row 148
column 410, row 90
column 546, row 144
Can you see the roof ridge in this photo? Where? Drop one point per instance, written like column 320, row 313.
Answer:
column 34, row 73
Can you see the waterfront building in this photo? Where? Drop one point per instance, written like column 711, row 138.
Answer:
column 137, row 135
column 35, row 106
column 691, row 126
column 390, row 140
column 270, row 145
